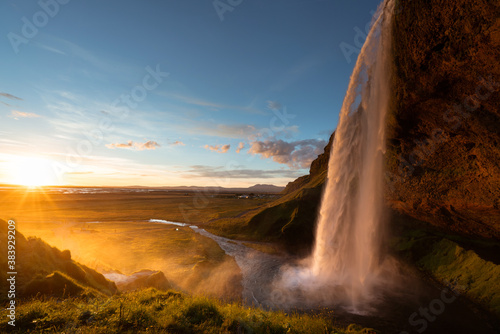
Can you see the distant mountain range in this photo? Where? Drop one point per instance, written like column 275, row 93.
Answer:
column 258, row 188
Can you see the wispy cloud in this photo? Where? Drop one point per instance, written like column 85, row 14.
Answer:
column 223, row 130
column 149, row 145
column 10, row 96
column 240, row 173
column 238, row 131
column 178, row 143
column 62, row 107
column 79, row 173
column 74, row 115
column 69, row 96
column 113, row 170
column 11, row 142
column 296, row 154
column 49, row 48
column 213, row 105
column 69, row 48
column 20, row 114
column 218, row 148
column 295, row 73
column 241, row 146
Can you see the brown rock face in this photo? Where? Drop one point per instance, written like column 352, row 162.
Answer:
column 443, row 156
column 444, row 130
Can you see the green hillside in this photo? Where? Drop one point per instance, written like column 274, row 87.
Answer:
column 45, row 270
column 55, row 294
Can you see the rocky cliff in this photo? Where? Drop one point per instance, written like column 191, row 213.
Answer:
column 443, row 158
column 444, row 131
column 318, row 169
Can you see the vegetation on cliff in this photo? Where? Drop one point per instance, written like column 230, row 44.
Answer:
column 471, row 267
column 45, row 270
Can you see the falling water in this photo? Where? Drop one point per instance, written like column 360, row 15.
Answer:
column 346, row 262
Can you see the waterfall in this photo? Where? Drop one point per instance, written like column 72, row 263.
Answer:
column 345, row 266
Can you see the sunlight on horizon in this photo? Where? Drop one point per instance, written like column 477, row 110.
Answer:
column 35, row 171
column 31, row 172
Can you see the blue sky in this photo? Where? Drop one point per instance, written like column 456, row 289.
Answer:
column 158, row 93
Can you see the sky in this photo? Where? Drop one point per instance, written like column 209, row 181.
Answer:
column 225, row 93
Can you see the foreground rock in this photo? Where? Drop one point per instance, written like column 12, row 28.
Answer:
column 140, row 280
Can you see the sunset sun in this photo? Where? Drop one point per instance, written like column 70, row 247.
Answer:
column 32, row 172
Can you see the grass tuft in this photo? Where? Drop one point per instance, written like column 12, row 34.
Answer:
column 151, row 310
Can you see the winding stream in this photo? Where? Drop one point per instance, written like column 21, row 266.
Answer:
column 258, row 269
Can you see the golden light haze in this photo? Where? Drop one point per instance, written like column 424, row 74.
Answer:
column 30, row 171
column 33, row 170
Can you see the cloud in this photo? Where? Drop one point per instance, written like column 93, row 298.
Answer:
column 240, row 173
column 218, row 148
column 10, row 96
column 130, row 144
column 213, row 105
column 240, row 131
column 241, row 146
column 223, row 130
column 297, row 154
column 296, row 72
column 149, row 145
column 70, row 96
column 104, row 65
column 79, row 173
column 178, row 143
column 285, row 131
column 51, row 49
column 20, row 114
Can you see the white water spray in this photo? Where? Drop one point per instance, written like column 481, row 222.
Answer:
column 345, row 267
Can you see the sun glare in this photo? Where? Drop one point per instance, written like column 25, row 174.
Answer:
column 32, row 172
